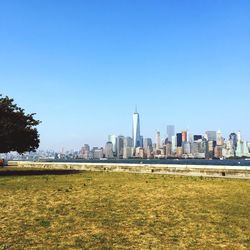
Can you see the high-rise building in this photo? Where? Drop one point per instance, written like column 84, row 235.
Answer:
column 186, row 148
column 198, row 149
column 239, row 139
column 195, row 148
column 240, row 149
column 228, row 150
column 158, row 140
column 128, row 142
column 179, row 139
column 245, row 149
column 248, row 145
column 197, row 137
column 108, row 150
column 139, row 152
column 167, row 149
column 128, row 152
column 219, row 138
column 170, row 132
column 211, row 146
column 147, row 142
column 179, row 151
column 174, row 144
column 127, row 147
column 97, row 153
column 136, row 130
column 218, row 152
column 141, row 141
column 190, row 137
column 85, row 151
column 113, row 138
column 184, row 136
column 120, row 146
column 204, row 148
column 211, row 135
column 233, row 140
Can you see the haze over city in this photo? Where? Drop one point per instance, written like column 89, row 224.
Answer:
column 83, row 66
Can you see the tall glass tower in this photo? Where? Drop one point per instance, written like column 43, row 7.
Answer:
column 170, row 132
column 136, row 130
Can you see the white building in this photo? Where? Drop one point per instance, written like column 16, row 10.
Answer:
column 158, row 140
column 245, row 149
column 219, row 138
column 174, row 144
column 113, row 139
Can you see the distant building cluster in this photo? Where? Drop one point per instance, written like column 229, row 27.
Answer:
column 183, row 144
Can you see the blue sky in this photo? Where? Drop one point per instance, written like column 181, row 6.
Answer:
column 82, row 66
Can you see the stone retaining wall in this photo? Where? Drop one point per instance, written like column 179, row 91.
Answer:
column 176, row 169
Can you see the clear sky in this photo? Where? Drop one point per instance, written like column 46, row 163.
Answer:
column 82, row 66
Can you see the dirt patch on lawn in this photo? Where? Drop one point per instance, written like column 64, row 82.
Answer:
column 17, row 172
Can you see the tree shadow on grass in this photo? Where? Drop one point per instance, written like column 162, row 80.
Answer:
column 15, row 172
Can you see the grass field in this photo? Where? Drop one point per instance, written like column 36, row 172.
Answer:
column 102, row 210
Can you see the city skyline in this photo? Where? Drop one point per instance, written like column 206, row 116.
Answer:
column 209, row 144
column 82, row 66
column 180, row 145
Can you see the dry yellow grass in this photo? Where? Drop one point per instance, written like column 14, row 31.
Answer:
column 123, row 211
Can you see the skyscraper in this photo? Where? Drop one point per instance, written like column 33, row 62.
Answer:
column 233, row 139
column 128, row 142
column 211, row 135
column 197, row 137
column 108, row 151
column 147, row 142
column 136, row 130
column 85, row 151
column 245, row 149
column 128, row 147
column 158, row 140
column 120, row 146
column 170, row 132
column 113, row 138
column 179, row 139
column 239, row 136
column 174, row 144
column 184, row 136
column 219, row 138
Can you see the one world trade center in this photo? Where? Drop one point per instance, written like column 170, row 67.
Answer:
column 136, row 130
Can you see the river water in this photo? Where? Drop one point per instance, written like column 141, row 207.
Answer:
column 239, row 162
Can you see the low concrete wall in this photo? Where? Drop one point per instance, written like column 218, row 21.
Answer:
column 176, row 169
